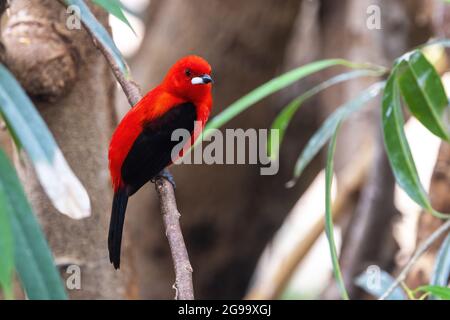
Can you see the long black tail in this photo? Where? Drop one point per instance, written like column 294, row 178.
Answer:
column 119, row 206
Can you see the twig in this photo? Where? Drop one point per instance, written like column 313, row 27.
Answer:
column 419, row 252
column 183, row 270
column 130, row 88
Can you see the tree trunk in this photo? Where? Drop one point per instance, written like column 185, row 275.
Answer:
column 73, row 89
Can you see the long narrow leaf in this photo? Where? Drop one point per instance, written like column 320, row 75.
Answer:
column 438, row 291
column 329, row 228
column 441, row 272
column 6, row 245
column 114, row 7
column 33, row 259
column 422, row 89
column 100, row 33
column 283, row 119
column 329, row 127
column 275, row 85
column 59, row 182
column 397, row 147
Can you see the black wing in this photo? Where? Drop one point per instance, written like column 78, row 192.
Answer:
column 151, row 152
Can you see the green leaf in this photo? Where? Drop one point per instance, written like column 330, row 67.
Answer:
column 422, row 89
column 275, row 85
column 329, row 127
column 441, row 271
column 26, row 125
column 33, row 259
column 329, row 228
column 115, row 8
column 283, row 119
column 100, row 33
column 6, row 246
column 438, row 291
column 397, row 147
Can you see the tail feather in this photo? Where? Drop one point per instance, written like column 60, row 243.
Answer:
column 119, row 207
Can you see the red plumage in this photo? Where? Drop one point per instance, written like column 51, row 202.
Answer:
column 140, row 145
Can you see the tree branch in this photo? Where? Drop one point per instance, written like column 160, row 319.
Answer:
column 129, row 87
column 183, row 270
column 419, row 252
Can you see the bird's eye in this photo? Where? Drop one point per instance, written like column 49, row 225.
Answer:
column 187, row 72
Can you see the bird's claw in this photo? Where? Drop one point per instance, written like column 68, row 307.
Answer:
column 166, row 175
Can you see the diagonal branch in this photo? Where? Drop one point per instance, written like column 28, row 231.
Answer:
column 419, row 252
column 183, row 270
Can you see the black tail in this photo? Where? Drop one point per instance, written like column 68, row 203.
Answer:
column 119, row 206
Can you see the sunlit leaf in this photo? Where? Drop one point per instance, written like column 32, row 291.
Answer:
column 397, row 147
column 59, row 182
column 327, row 129
column 422, row 90
column 438, row 291
column 115, row 8
column 283, row 119
column 6, row 244
column 33, row 259
column 377, row 282
column 100, row 33
column 329, row 228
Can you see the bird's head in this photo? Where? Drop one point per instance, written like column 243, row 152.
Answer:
column 189, row 78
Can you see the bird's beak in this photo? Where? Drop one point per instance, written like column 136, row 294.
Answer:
column 204, row 79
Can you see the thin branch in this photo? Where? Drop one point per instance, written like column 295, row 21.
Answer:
column 130, row 88
column 183, row 270
column 419, row 252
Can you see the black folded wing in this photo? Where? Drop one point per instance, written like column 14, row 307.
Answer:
column 151, row 152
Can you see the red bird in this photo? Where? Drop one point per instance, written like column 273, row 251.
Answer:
column 141, row 146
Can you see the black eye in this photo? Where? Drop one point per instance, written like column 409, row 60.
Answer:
column 187, row 72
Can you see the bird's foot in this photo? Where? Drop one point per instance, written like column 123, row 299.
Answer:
column 166, row 175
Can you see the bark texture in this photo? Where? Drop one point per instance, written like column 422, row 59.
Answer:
column 73, row 89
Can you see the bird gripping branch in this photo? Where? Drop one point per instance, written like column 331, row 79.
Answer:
column 141, row 146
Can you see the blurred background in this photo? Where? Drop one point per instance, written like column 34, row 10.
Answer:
column 247, row 235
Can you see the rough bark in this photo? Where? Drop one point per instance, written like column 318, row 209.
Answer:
column 73, row 89
column 224, row 227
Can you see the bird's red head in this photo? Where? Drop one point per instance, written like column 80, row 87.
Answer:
column 189, row 78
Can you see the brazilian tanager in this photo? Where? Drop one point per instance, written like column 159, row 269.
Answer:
column 141, row 146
